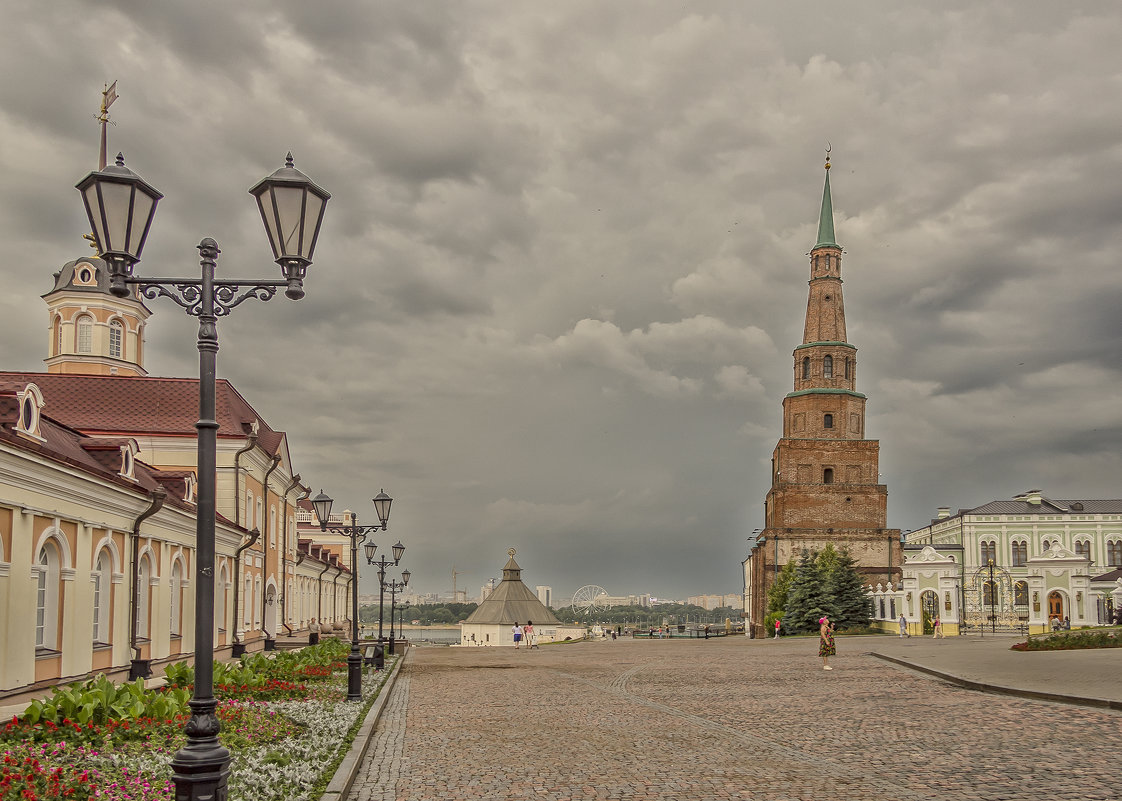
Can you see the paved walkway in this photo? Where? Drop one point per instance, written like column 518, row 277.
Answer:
column 682, row 720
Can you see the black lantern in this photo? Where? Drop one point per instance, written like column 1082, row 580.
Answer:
column 398, row 550
column 292, row 209
column 370, row 548
column 322, row 504
column 405, row 574
column 382, row 503
column 120, row 205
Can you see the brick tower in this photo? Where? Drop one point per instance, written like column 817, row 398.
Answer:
column 824, row 473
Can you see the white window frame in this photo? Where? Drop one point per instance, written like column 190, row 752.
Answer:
column 83, row 333
column 144, row 597
column 176, row 604
column 102, row 581
column 116, row 339
column 48, row 564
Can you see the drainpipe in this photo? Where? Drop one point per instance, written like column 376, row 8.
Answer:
column 319, row 594
column 238, row 647
column 270, row 642
column 140, row 668
column 335, row 596
column 284, row 549
column 249, row 443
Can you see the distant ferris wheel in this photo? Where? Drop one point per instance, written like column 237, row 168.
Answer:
column 588, row 598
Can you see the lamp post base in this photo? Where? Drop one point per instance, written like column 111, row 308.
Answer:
column 237, row 650
column 354, row 675
column 140, row 669
column 270, row 645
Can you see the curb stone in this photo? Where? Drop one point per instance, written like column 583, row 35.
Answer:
column 969, row 684
column 340, row 786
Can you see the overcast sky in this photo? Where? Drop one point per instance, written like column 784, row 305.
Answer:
column 563, row 269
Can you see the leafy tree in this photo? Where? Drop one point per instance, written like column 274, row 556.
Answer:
column 807, row 599
column 777, row 595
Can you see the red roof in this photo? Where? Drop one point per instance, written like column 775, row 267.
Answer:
column 134, row 405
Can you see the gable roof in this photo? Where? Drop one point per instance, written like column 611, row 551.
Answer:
column 131, row 405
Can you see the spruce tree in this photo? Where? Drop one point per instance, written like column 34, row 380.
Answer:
column 807, row 600
column 846, row 588
column 777, row 595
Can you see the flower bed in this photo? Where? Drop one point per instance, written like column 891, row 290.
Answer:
column 1072, row 640
column 285, row 735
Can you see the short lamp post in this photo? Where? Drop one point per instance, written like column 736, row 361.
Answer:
column 993, row 601
column 382, row 563
column 357, row 535
column 120, row 206
column 395, row 587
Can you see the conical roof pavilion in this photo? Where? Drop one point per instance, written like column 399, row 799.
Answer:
column 511, row 602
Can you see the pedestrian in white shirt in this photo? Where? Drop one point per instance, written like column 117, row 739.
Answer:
column 516, row 629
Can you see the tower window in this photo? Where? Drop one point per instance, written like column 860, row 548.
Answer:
column 116, row 339
column 828, row 367
column 85, row 334
column 828, row 475
column 828, row 421
column 847, row 367
column 806, row 367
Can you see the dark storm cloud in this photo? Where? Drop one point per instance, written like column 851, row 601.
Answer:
column 563, row 269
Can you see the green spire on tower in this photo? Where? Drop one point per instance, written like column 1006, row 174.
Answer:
column 826, row 220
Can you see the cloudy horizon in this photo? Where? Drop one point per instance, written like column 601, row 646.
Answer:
column 563, row 269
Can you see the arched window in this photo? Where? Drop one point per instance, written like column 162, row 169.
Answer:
column 249, row 509
column 847, row 367
column 102, row 577
column 1083, row 549
column 987, row 593
column 143, row 597
column 989, row 553
column 806, row 367
column 116, row 339
column 46, row 597
column 257, row 603
column 84, row 334
column 828, row 421
column 58, row 336
column 1020, row 554
column 176, row 597
column 1046, row 545
column 1020, row 593
column 1114, row 553
column 248, row 598
column 828, row 367
column 272, row 527
column 828, row 475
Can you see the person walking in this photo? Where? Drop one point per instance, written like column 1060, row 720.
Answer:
column 777, row 622
column 938, row 629
column 904, row 626
column 528, row 634
column 826, row 647
column 516, row 630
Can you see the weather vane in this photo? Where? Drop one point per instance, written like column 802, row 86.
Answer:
column 108, row 95
column 829, row 147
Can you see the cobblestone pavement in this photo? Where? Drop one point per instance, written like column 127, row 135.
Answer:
column 720, row 719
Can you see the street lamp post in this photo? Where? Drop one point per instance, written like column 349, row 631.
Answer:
column 382, row 563
column 120, row 206
column 993, row 601
column 395, row 588
column 357, row 535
